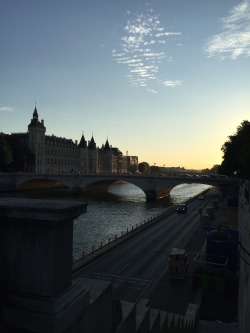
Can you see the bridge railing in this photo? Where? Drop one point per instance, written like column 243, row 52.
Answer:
column 100, row 174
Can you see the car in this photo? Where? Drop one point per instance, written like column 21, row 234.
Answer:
column 201, row 197
column 182, row 208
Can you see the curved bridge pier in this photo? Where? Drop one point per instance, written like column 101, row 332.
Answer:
column 76, row 190
column 151, row 195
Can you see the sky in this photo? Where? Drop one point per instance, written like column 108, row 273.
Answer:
column 165, row 80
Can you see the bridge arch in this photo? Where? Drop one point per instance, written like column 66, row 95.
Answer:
column 40, row 183
column 152, row 186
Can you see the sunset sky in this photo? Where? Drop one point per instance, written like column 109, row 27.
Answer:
column 165, row 80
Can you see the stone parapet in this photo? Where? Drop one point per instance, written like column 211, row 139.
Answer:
column 46, row 315
column 244, row 255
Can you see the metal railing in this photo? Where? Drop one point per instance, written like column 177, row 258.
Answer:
column 128, row 232
column 117, row 238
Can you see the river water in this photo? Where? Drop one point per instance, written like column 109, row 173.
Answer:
column 124, row 207
column 110, row 214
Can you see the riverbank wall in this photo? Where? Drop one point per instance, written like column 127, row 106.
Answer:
column 244, row 256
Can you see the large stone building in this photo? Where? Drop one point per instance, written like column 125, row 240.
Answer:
column 53, row 154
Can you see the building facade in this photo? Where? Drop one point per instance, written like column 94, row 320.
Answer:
column 52, row 154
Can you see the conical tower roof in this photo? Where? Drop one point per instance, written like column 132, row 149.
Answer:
column 92, row 144
column 83, row 143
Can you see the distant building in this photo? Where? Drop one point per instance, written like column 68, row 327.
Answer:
column 53, row 154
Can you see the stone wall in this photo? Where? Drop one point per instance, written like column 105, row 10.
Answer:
column 244, row 251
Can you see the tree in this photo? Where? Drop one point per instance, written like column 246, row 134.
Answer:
column 236, row 152
column 155, row 169
column 213, row 170
column 14, row 155
column 21, row 154
column 144, row 167
column 6, row 157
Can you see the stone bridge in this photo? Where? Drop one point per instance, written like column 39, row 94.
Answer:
column 152, row 186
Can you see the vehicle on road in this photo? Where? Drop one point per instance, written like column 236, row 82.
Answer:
column 182, row 208
column 201, row 197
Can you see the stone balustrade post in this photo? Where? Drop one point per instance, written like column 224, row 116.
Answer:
column 36, row 287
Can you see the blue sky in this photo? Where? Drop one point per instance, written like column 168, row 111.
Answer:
column 166, row 80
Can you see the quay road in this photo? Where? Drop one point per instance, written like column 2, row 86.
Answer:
column 135, row 266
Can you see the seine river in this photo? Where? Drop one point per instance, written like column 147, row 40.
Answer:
column 110, row 214
column 125, row 207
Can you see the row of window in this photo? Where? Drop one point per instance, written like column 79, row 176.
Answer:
column 51, row 161
column 75, row 163
column 62, row 153
column 61, row 145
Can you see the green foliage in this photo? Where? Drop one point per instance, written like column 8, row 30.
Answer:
column 213, row 170
column 155, row 169
column 6, row 157
column 20, row 154
column 236, row 152
column 14, row 156
column 144, row 167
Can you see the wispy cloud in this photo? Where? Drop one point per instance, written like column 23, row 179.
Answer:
column 143, row 50
column 6, row 109
column 234, row 40
column 172, row 83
